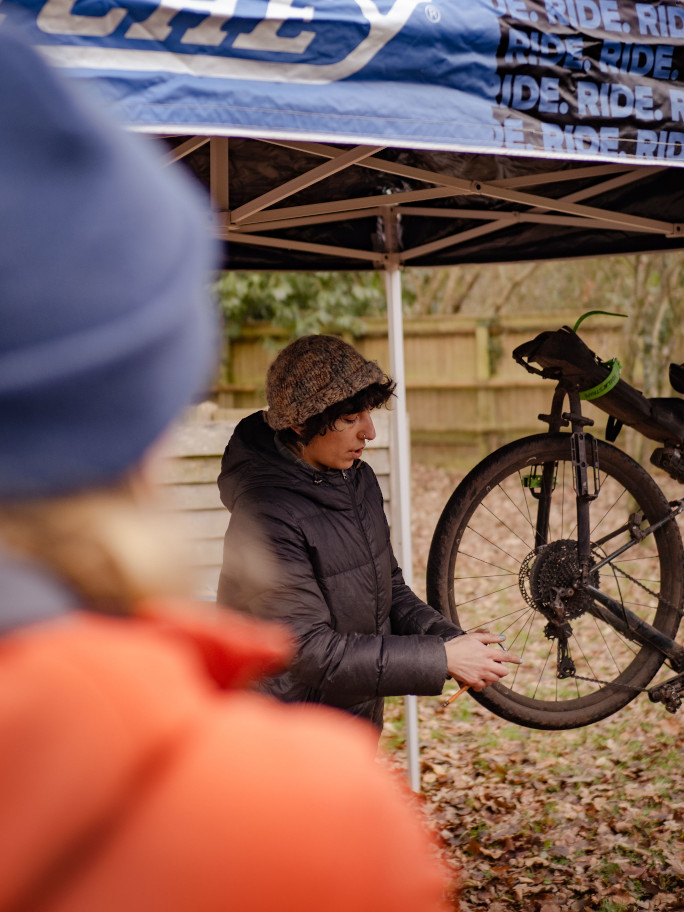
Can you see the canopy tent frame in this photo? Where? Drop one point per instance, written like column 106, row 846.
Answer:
column 250, row 223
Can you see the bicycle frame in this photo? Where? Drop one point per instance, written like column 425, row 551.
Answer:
column 586, row 488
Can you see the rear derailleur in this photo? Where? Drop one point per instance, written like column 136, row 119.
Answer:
column 669, row 693
column 559, row 629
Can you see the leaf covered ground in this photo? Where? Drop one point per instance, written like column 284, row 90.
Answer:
column 588, row 819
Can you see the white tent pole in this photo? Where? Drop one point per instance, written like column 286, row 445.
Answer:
column 400, row 469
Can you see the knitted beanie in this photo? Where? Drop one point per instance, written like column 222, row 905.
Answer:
column 107, row 328
column 312, row 373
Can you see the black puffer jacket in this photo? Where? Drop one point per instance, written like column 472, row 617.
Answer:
column 361, row 631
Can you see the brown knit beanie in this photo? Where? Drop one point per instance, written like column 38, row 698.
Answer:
column 312, row 373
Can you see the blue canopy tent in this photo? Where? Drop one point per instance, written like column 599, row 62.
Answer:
column 379, row 134
column 496, row 129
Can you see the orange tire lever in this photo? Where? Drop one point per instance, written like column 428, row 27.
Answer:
column 458, row 693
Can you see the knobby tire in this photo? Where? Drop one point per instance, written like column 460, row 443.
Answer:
column 481, row 573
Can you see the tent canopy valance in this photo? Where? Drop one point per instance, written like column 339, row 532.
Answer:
column 482, row 131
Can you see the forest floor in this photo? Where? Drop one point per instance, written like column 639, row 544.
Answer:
column 538, row 821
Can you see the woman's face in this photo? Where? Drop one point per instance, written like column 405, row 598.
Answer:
column 338, row 448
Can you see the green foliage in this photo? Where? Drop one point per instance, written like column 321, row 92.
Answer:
column 299, row 302
column 648, row 288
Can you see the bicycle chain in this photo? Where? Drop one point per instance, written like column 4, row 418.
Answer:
column 677, row 609
column 655, row 595
column 577, row 677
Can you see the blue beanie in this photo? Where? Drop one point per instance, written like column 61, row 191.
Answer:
column 106, row 328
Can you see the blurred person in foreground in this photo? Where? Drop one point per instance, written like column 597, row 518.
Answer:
column 137, row 771
column 295, row 474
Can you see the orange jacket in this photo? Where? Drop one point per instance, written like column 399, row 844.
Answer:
column 136, row 775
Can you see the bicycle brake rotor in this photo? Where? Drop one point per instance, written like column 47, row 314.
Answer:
column 554, row 567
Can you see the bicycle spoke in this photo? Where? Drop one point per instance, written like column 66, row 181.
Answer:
column 485, row 595
column 543, row 669
column 563, row 501
column 520, row 488
column 508, row 528
column 607, row 511
column 505, row 571
column 488, row 541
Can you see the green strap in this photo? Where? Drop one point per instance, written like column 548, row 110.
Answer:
column 590, row 313
column 605, row 386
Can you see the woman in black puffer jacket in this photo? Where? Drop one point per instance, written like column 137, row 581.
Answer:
column 294, row 476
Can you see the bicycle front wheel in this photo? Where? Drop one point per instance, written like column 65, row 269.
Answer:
column 489, row 568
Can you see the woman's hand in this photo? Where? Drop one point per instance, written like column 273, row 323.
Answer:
column 471, row 661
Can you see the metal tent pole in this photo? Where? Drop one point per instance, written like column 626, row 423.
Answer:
column 400, row 469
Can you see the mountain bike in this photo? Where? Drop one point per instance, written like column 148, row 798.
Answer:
column 569, row 547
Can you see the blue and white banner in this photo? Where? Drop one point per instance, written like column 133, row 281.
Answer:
column 587, row 79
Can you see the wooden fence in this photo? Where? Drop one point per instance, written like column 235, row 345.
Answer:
column 465, row 394
column 464, row 390
column 192, row 465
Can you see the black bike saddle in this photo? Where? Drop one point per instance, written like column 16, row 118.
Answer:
column 677, row 377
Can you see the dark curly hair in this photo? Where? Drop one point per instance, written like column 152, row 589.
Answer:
column 370, row 397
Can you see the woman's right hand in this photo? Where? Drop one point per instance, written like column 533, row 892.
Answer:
column 471, row 661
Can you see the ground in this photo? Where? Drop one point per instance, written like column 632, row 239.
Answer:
column 589, row 819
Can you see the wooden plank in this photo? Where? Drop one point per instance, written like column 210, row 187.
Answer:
column 202, row 470
column 205, row 552
column 205, row 471
column 207, row 439
column 383, row 481
column 378, row 460
column 203, row 524
column 200, row 527
column 193, row 496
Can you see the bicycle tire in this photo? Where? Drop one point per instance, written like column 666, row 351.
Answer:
column 488, row 523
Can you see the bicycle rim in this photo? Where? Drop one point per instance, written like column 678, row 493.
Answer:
column 483, row 571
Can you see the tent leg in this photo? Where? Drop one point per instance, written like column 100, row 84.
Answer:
column 400, row 472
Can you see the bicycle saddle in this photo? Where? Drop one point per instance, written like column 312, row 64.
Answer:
column 562, row 355
column 677, row 377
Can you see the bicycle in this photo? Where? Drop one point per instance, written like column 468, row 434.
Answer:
column 568, row 546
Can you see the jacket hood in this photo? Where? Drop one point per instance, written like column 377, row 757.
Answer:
column 252, row 460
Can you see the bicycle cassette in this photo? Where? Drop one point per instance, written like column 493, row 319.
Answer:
column 555, row 568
